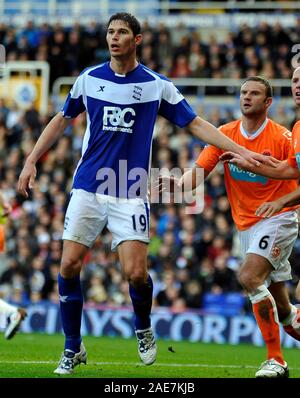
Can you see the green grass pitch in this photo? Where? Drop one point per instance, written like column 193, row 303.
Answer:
column 36, row 356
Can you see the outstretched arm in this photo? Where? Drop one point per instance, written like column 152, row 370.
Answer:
column 51, row 133
column 190, row 180
column 282, row 171
column 210, row 134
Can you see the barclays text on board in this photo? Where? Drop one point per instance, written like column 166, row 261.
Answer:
column 192, row 326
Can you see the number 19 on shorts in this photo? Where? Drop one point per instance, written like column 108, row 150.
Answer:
column 139, row 223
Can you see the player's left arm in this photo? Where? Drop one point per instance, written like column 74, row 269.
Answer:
column 268, row 209
column 281, row 171
column 210, row 134
column 189, row 181
column 174, row 107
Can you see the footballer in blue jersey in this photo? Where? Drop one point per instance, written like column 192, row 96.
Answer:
column 122, row 99
column 121, row 110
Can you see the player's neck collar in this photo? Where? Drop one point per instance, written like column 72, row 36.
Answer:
column 256, row 133
column 122, row 74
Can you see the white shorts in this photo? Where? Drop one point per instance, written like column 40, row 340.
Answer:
column 273, row 238
column 88, row 213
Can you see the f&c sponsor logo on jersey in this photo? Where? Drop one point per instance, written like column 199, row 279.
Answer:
column 117, row 119
column 243, row 175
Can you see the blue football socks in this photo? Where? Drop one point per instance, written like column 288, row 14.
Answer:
column 142, row 302
column 71, row 302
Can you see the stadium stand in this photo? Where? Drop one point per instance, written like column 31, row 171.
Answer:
column 192, row 259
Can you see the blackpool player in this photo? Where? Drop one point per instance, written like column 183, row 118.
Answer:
column 266, row 244
column 122, row 99
column 287, row 169
column 14, row 315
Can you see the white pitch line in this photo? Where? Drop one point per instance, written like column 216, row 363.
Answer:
column 187, row 365
column 190, row 365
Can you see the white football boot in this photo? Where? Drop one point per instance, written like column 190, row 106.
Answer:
column 146, row 346
column 69, row 359
column 14, row 322
column 272, row 369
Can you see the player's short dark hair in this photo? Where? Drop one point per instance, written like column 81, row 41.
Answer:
column 262, row 80
column 129, row 19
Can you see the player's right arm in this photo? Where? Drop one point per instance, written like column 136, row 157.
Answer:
column 175, row 108
column 49, row 136
column 191, row 179
column 73, row 106
column 207, row 160
column 210, row 134
column 282, row 171
column 285, row 170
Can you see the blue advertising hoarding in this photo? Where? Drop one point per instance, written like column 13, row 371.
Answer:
column 188, row 325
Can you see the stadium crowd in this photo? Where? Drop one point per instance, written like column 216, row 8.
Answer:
column 189, row 255
column 176, row 52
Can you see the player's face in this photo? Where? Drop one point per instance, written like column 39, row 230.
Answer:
column 253, row 100
column 296, row 86
column 121, row 40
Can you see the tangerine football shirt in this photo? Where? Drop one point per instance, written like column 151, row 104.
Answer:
column 294, row 155
column 246, row 191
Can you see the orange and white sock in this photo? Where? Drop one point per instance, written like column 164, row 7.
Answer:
column 291, row 317
column 266, row 315
column 291, row 324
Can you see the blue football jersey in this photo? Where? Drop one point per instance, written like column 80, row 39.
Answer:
column 121, row 111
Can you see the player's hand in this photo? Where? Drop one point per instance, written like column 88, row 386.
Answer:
column 235, row 158
column 26, row 179
column 245, row 162
column 267, row 160
column 257, row 158
column 268, row 209
column 169, row 184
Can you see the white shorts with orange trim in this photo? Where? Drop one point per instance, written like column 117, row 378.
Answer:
column 273, row 238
